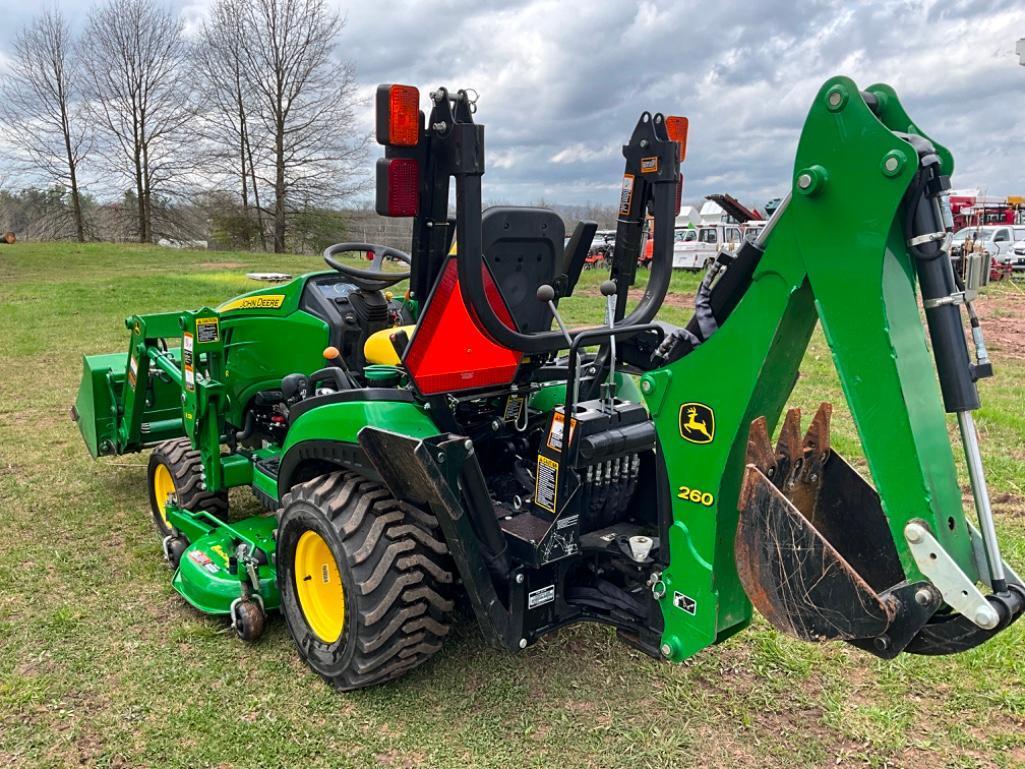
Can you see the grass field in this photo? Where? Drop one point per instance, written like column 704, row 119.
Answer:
column 103, row 665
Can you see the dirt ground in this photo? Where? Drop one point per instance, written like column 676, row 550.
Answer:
column 1003, row 315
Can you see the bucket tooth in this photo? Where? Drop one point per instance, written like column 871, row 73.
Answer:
column 816, row 440
column 813, row 546
column 804, row 485
column 789, row 448
column 759, row 448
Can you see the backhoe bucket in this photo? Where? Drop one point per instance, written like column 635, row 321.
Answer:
column 814, row 550
column 816, row 556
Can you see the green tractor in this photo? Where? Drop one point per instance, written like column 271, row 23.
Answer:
column 458, row 442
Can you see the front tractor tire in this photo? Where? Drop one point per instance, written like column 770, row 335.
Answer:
column 175, row 471
column 365, row 580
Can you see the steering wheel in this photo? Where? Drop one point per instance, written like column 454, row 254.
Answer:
column 374, row 278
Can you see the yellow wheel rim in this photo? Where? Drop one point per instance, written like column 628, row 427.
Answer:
column 163, row 485
column 319, row 587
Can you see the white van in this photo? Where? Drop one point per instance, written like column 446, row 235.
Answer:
column 694, row 248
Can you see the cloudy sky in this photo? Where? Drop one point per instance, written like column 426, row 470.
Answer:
column 562, row 82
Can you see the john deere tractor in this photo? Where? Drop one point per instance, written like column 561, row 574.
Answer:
column 459, row 441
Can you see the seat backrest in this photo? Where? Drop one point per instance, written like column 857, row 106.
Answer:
column 523, row 248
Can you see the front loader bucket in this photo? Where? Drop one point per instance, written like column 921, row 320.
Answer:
column 816, row 556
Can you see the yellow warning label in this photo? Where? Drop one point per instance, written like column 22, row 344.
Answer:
column 206, row 330
column 260, row 302
column 546, row 488
column 649, row 165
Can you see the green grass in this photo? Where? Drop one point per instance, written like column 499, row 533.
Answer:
column 101, row 664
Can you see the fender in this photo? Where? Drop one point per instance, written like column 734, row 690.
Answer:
column 327, row 428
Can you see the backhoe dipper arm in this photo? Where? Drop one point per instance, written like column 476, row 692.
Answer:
column 819, row 551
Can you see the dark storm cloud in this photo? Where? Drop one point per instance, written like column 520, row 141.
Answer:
column 562, row 83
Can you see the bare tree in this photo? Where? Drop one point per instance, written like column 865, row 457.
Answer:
column 229, row 98
column 42, row 109
column 138, row 65
column 306, row 104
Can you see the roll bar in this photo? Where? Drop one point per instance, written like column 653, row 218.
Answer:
column 651, row 180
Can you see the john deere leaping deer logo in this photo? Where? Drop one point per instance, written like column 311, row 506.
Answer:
column 697, row 423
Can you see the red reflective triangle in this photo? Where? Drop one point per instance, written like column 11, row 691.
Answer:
column 449, row 351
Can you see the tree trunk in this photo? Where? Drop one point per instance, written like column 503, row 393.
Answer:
column 279, row 188
column 76, row 203
column 76, row 207
column 147, row 176
column 140, row 198
column 243, row 174
column 256, row 195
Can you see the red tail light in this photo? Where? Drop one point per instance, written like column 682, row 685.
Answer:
column 398, row 186
column 448, row 351
column 398, row 115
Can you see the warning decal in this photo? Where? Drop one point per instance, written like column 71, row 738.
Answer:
column 626, row 195
column 133, row 371
column 202, row 560
column 206, row 330
column 547, row 485
column 513, row 408
column 649, row 165
column 558, row 431
column 540, row 597
column 190, row 374
column 685, row 602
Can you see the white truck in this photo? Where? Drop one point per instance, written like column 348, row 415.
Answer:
column 694, row 248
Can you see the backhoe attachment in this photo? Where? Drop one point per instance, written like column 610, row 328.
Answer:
column 816, row 557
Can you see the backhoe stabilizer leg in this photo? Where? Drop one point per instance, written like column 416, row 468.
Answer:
column 816, row 556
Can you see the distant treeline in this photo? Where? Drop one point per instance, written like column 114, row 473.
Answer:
column 216, row 218
column 244, row 132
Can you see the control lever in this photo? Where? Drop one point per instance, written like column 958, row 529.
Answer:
column 546, row 294
column 336, row 371
column 608, row 290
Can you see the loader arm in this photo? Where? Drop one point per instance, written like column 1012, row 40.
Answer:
column 844, row 566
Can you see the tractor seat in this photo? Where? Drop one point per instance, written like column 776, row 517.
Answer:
column 379, row 349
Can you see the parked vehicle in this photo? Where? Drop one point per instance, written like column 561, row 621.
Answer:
column 600, row 252
column 969, row 208
column 753, row 228
column 996, row 241
column 695, row 248
column 1017, row 253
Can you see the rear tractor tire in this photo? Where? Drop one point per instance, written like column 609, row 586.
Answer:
column 365, row 580
column 175, row 471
